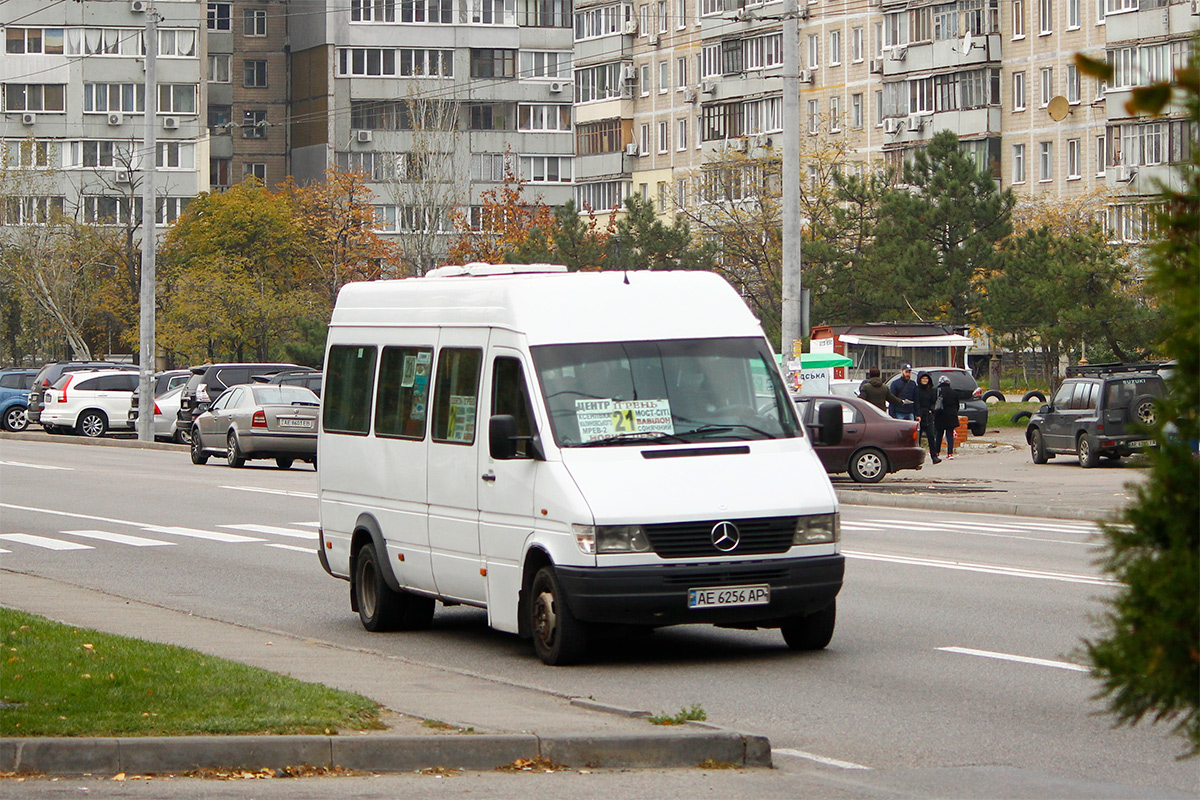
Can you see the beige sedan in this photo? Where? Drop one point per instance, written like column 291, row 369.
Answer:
column 258, row 421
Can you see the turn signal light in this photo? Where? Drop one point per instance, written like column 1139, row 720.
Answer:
column 259, row 420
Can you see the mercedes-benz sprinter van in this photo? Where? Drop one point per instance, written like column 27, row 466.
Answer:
column 573, row 452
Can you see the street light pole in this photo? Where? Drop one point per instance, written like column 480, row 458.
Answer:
column 792, row 323
column 146, row 341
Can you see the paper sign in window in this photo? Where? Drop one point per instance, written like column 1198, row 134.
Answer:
column 602, row 418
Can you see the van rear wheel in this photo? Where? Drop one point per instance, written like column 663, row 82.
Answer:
column 558, row 637
column 382, row 608
column 811, row 631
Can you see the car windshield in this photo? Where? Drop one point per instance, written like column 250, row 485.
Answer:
column 272, row 394
column 684, row 390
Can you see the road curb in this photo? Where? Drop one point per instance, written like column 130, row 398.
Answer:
column 178, row 754
column 1003, row 507
column 105, row 441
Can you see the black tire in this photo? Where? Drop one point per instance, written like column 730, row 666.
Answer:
column 92, row 424
column 1034, row 395
column 1142, row 411
column 1086, row 448
column 1020, row 415
column 868, row 465
column 199, row 457
column 558, row 637
column 1037, row 447
column 978, row 430
column 993, row 394
column 16, row 419
column 284, row 463
column 382, row 608
column 233, row 453
column 183, row 436
column 811, row 631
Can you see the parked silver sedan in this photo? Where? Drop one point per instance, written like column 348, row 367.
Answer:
column 258, row 421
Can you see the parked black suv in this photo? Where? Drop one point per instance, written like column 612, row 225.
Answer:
column 307, row 377
column 1100, row 410
column 970, row 396
column 51, row 372
column 208, row 381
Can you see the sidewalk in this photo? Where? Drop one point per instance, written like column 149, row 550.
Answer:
column 994, row 474
column 506, row 721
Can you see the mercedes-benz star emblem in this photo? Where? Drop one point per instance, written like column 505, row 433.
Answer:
column 725, row 536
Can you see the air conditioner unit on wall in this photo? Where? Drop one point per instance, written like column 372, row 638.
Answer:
column 121, row 176
column 362, row 136
column 171, row 123
column 739, row 145
column 138, row 6
column 631, row 28
column 28, row 118
column 876, row 66
column 897, row 53
column 708, row 87
column 632, row 149
column 115, row 118
column 806, row 76
column 629, row 74
column 654, row 40
column 689, row 95
column 891, row 125
column 556, row 87
column 916, row 122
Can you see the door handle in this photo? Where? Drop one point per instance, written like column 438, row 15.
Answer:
column 489, row 476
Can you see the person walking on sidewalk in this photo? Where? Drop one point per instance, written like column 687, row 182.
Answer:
column 945, row 418
column 904, row 387
column 926, row 398
column 876, row 392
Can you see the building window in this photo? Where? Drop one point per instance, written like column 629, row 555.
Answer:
column 681, row 76
column 493, row 63
column 546, row 118
column 663, row 137
column 835, row 114
column 219, row 171
column 546, row 64
column 814, row 51
column 220, row 14
column 543, row 13
column 681, row 134
column 1018, row 19
column 1018, row 163
column 664, row 77
column 1072, row 159
column 39, row 96
column 1072, row 83
column 662, row 16
column 1047, row 86
column 219, row 68
column 644, row 145
column 1101, row 155
column 487, row 117
column 254, row 74
column 814, row 119
column 546, row 169
column 1045, row 17
column 1045, row 161
column 1018, row 91
column 378, row 11
column 835, row 48
column 219, row 118
column 920, row 24
column 254, row 22
column 1072, row 14
column 254, row 124
column 601, row 82
column 1100, row 4
column 856, row 44
column 856, row 111
column 645, row 79
column 878, row 108
column 604, row 136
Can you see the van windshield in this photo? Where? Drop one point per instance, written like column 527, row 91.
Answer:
column 682, row 390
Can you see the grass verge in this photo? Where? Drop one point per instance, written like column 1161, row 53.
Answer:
column 58, row 680
column 1000, row 414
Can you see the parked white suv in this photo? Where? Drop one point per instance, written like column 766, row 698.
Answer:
column 92, row 403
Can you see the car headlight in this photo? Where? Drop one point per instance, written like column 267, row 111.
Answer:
column 817, row 529
column 593, row 539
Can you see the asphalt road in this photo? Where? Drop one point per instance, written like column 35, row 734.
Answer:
column 955, row 648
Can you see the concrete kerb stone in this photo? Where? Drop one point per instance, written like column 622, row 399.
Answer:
column 179, row 754
column 104, row 441
column 925, row 502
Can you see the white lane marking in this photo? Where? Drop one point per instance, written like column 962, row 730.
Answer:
column 194, row 533
column 833, row 762
column 272, row 529
column 1018, row 524
column 990, row 569
column 44, row 542
column 308, row 524
column 120, row 538
column 33, row 466
column 1041, row 662
column 965, row 532
column 284, row 492
column 2, row 550
column 309, row 550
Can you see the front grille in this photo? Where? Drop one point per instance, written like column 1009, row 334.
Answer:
column 758, row 536
column 725, row 577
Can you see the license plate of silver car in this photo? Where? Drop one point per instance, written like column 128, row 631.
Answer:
column 724, row 596
column 287, row 422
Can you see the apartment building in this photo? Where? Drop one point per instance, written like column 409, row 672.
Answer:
column 74, row 103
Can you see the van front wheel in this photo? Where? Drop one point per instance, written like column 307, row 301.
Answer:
column 811, row 631
column 558, row 637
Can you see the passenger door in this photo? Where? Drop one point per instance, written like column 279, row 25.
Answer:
column 506, row 486
column 1059, row 420
column 454, row 466
column 836, row 457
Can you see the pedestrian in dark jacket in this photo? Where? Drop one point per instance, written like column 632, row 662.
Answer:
column 926, row 398
column 945, row 419
column 904, row 387
column 875, row 391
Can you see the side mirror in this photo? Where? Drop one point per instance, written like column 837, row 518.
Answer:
column 829, row 424
column 1044, row 409
column 502, row 437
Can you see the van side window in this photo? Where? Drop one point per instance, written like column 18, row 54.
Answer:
column 456, row 395
column 347, row 406
column 403, row 394
column 510, row 396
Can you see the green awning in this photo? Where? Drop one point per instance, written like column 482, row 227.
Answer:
column 821, row 360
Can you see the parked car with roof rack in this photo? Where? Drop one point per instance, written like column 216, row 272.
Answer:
column 307, row 377
column 90, row 403
column 50, row 373
column 1099, row 411
column 14, row 398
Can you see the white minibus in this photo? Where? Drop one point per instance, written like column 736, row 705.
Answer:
column 576, row 452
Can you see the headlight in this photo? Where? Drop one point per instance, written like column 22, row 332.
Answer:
column 819, row 529
column 593, row 539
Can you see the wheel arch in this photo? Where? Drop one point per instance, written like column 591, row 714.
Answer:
column 366, row 529
column 887, row 462
column 535, row 558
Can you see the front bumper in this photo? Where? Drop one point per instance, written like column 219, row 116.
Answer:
column 657, row 595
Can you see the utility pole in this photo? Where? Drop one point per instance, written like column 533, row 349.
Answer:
column 147, row 349
column 792, row 322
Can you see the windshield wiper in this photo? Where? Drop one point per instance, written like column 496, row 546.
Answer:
column 707, row 429
column 621, row 438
